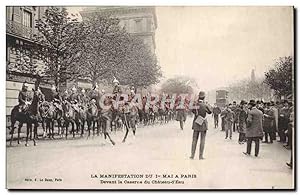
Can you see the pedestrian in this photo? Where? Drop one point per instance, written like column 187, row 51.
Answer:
column 283, row 121
column 268, row 123
column 216, row 112
column 242, row 119
column 254, row 129
column 291, row 130
column 229, row 119
column 275, row 110
column 223, row 122
column 200, row 125
column 180, row 106
column 234, row 110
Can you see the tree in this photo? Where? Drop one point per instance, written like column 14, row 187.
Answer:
column 140, row 66
column 103, row 47
column 280, row 78
column 247, row 90
column 109, row 51
column 179, row 85
column 56, row 44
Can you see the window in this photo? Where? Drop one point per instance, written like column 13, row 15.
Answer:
column 149, row 24
column 138, row 25
column 27, row 19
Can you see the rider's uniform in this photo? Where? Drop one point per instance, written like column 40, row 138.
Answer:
column 74, row 99
column 24, row 99
column 56, row 99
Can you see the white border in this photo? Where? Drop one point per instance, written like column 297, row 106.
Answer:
column 114, row 2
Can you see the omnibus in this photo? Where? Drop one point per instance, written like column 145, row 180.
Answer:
column 221, row 98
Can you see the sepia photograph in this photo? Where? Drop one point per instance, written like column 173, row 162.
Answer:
column 150, row 97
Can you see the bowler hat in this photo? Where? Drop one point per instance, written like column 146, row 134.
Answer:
column 252, row 102
column 201, row 94
column 243, row 102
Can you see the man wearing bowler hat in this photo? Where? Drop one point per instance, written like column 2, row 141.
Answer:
column 199, row 124
column 254, row 129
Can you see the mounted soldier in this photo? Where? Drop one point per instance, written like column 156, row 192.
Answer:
column 94, row 95
column 117, row 88
column 56, row 98
column 74, row 99
column 83, row 97
column 24, row 98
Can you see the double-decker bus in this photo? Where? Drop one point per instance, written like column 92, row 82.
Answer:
column 221, row 98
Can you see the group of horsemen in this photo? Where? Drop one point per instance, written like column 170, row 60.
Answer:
column 82, row 100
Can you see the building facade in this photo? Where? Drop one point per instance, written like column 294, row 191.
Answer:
column 139, row 21
column 20, row 63
column 20, row 28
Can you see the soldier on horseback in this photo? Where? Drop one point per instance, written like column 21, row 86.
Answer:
column 83, row 98
column 25, row 98
column 74, row 99
column 56, row 98
column 117, row 88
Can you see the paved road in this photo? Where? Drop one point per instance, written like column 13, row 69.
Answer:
column 156, row 150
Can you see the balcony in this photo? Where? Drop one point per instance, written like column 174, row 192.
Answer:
column 18, row 29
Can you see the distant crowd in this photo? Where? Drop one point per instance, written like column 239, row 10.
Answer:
column 257, row 120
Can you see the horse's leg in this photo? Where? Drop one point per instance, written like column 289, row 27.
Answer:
column 106, row 134
column 67, row 127
column 27, row 133
column 93, row 123
column 89, row 126
column 30, row 133
column 98, row 129
column 19, row 131
column 73, row 128
column 77, row 126
column 43, row 126
column 12, row 131
column 127, row 130
column 133, row 127
column 52, row 126
column 82, row 128
column 35, row 132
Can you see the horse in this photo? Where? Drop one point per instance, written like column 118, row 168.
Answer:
column 28, row 116
column 69, row 116
column 50, row 113
column 92, row 117
column 106, row 117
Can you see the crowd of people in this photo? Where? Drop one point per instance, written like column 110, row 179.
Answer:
column 257, row 120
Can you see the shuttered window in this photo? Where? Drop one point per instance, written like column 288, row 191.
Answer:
column 27, row 19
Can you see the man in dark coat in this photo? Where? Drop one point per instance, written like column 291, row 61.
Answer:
column 242, row 119
column 200, row 124
column 283, row 121
column 254, row 130
column 229, row 119
column 268, row 123
column 216, row 112
column 234, row 109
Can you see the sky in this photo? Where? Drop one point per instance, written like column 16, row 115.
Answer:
column 219, row 45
